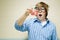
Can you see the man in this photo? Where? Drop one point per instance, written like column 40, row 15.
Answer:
column 39, row 28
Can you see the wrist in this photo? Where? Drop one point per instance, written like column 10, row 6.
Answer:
column 26, row 14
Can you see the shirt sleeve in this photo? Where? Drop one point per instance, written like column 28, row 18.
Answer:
column 23, row 27
column 54, row 34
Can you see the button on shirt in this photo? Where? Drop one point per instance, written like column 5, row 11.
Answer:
column 36, row 31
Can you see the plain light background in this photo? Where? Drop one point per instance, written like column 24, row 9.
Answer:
column 11, row 10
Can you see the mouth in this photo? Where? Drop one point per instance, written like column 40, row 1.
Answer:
column 40, row 15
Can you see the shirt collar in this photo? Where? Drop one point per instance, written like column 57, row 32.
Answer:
column 37, row 20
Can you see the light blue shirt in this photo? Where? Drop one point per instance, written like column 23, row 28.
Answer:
column 36, row 31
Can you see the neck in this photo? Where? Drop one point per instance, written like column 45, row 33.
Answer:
column 42, row 20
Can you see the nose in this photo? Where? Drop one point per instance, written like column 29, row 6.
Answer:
column 40, row 11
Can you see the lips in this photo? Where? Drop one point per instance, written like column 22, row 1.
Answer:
column 40, row 15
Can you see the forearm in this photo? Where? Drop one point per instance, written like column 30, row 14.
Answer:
column 22, row 19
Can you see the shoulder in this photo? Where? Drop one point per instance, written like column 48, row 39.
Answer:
column 53, row 26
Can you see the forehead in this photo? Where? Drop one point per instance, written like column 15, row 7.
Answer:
column 39, row 5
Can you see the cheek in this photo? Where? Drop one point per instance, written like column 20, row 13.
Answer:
column 44, row 12
column 37, row 15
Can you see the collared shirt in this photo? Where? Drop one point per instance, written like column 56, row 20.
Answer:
column 43, row 23
column 36, row 31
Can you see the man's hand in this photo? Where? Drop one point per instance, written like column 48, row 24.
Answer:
column 32, row 11
column 28, row 11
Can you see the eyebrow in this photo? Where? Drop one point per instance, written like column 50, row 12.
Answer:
column 41, row 7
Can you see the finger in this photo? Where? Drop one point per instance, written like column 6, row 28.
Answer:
column 29, row 10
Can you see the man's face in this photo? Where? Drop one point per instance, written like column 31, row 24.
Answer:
column 41, row 12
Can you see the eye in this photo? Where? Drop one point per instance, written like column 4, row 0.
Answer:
column 43, row 8
column 36, row 7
